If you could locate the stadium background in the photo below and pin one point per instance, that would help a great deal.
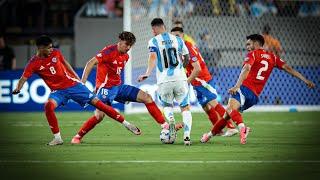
(81, 28)
(282, 145)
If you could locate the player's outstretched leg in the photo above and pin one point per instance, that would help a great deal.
(86, 127)
(244, 131)
(53, 122)
(231, 131)
(109, 111)
(217, 128)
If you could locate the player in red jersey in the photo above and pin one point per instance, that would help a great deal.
(57, 73)
(110, 62)
(201, 80)
(255, 72)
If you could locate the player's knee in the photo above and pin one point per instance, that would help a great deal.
(49, 106)
(146, 98)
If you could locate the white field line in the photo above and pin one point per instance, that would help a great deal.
(166, 162)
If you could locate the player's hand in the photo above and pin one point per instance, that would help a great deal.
(142, 77)
(16, 91)
(310, 84)
(233, 90)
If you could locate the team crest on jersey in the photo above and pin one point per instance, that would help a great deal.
(54, 59)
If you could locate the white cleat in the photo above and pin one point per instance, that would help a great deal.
(230, 132)
(133, 129)
(55, 142)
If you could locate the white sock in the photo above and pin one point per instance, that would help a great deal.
(210, 134)
(57, 136)
(168, 113)
(187, 120)
(241, 125)
(125, 123)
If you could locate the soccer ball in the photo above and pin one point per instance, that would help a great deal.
(165, 137)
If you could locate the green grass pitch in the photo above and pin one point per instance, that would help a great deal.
(280, 146)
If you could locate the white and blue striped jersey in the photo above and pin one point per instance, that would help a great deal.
(169, 49)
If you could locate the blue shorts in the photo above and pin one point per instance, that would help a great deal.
(246, 98)
(123, 93)
(79, 93)
(206, 93)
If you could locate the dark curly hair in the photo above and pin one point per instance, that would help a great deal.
(128, 37)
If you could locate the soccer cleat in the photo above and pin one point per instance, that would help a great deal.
(205, 138)
(55, 142)
(133, 129)
(187, 141)
(76, 140)
(244, 134)
(179, 126)
(230, 132)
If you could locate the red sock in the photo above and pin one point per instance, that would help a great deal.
(217, 128)
(109, 111)
(220, 110)
(236, 117)
(88, 125)
(213, 116)
(230, 125)
(155, 112)
(51, 117)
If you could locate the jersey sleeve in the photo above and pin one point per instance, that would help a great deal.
(250, 58)
(103, 54)
(151, 46)
(28, 70)
(279, 62)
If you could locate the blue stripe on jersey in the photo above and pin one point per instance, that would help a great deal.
(180, 46)
(166, 38)
(159, 64)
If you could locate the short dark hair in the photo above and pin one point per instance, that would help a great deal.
(43, 41)
(256, 37)
(177, 29)
(157, 22)
(127, 36)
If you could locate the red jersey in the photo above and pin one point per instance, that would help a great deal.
(195, 56)
(111, 63)
(52, 70)
(262, 64)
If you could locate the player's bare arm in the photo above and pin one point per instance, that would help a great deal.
(298, 75)
(90, 64)
(20, 84)
(243, 75)
(69, 67)
(195, 72)
(151, 65)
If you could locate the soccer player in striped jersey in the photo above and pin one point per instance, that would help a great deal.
(203, 84)
(65, 84)
(166, 52)
(256, 70)
(110, 62)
